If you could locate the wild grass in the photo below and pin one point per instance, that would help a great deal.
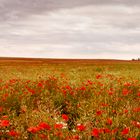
(70, 101)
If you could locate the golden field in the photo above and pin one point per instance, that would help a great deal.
(60, 99)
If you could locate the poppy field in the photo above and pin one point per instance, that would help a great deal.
(69, 100)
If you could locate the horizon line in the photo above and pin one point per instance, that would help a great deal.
(13, 57)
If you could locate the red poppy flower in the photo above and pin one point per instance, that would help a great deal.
(42, 136)
(65, 117)
(44, 125)
(58, 126)
(125, 131)
(83, 88)
(98, 76)
(109, 121)
(125, 111)
(4, 123)
(76, 137)
(136, 124)
(1, 109)
(33, 129)
(136, 109)
(106, 130)
(99, 112)
(40, 85)
(125, 92)
(138, 94)
(114, 130)
(81, 127)
(131, 139)
(95, 132)
(13, 133)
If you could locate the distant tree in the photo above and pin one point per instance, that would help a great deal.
(138, 59)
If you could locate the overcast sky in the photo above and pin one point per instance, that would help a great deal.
(70, 28)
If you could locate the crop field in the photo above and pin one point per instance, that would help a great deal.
(69, 99)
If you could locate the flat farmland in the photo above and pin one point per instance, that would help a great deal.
(69, 99)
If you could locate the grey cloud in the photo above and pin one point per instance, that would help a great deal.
(17, 9)
(76, 28)
(85, 25)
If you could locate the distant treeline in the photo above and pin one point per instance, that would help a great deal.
(136, 59)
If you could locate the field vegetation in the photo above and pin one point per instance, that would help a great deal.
(69, 99)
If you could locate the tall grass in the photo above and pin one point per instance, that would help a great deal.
(70, 101)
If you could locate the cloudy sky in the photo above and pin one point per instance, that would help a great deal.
(70, 28)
